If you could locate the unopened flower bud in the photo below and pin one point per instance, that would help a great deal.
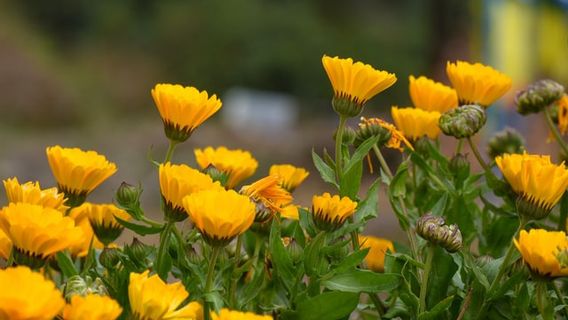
(137, 251)
(109, 257)
(369, 129)
(76, 285)
(434, 229)
(348, 136)
(506, 141)
(216, 174)
(427, 225)
(459, 166)
(462, 122)
(421, 146)
(294, 249)
(538, 96)
(128, 196)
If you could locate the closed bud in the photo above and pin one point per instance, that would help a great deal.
(109, 257)
(434, 229)
(76, 285)
(370, 129)
(217, 175)
(421, 146)
(459, 165)
(506, 141)
(348, 136)
(538, 96)
(427, 225)
(128, 196)
(294, 249)
(462, 122)
(137, 251)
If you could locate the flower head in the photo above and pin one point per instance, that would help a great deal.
(183, 109)
(27, 295)
(290, 212)
(527, 175)
(81, 247)
(289, 176)
(5, 245)
(416, 123)
(30, 192)
(178, 181)
(540, 249)
(153, 299)
(92, 307)
(220, 215)
(102, 218)
(330, 212)
(237, 164)
(477, 83)
(268, 194)
(36, 231)
(226, 314)
(78, 172)
(354, 83)
(396, 136)
(429, 95)
(378, 248)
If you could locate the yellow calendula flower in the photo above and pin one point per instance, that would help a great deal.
(28, 295)
(31, 192)
(397, 137)
(563, 114)
(78, 172)
(178, 181)
(153, 299)
(220, 215)
(269, 196)
(416, 123)
(102, 218)
(183, 109)
(539, 183)
(354, 83)
(289, 176)
(236, 164)
(426, 94)
(37, 232)
(477, 83)
(378, 248)
(81, 247)
(5, 245)
(542, 250)
(290, 212)
(330, 212)
(92, 307)
(226, 314)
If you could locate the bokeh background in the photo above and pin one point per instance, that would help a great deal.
(79, 73)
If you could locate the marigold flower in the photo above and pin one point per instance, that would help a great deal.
(426, 94)
(178, 181)
(331, 212)
(289, 176)
(540, 250)
(5, 245)
(354, 83)
(37, 232)
(78, 172)
(268, 195)
(153, 299)
(81, 247)
(378, 248)
(102, 220)
(477, 83)
(226, 314)
(183, 109)
(27, 295)
(220, 215)
(237, 164)
(92, 307)
(290, 212)
(563, 114)
(416, 123)
(31, 192)
(396, 136)
(527, 174)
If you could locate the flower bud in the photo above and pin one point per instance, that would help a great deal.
(370, 129)
(459, 165)
(137, 251)
(128, 196)
(505, 141)
(434, 229)
(538, 96)
(348, 136)
(421, 146)
(76, 285)
(217, 175)
(109, 257)
(462, 122)
(294, 249)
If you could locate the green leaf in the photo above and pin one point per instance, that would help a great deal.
(563, 212)
(138, 228)
(326, 172)
(280, 257)
(351, 181)
(441, 276)
(397, 189)
(328, 305)
(313, 255)
(367, 209)
(436, 312)
(362, 281)
(361, 152)
(65, 264)
(352, 260)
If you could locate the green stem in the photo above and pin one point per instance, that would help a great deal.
(235, 276)
(354, 237)
(555, 131)
(163, 248)
(338, 144)
(170, 152)
(465, 304)
(425, 277)
(379, 305)
(560, 297)
(382, 161)
(209, 281)
(459, 146)
(542, 301)
(478, 155)
(152, 222)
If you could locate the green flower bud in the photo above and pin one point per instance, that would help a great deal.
(368, 130)
(348, 136)
(427, 225)
(109, 257)
(421, 146)
(217, 175)
(538, 96)
(295, 251)
(459, 166)
(462, 122)
(76, 285)
(505, 141)
(128, 196)
(434, 229)
(137, 251)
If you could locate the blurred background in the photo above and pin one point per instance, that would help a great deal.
(79, 73)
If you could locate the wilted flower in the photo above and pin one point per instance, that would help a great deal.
(289, 176)
(462, 122)
(237, 164)
(538, 96)
(506, 141)
(226, 314)
(378, 248)
(395, 136)
(416, 123)
(183, 109)
(268, 195)
(354, 83)
(426, 94)
(435, 230)
(102, 218)
(92, 307)
(541, 250)
(31, 192)
(330, 212)
(373, 127)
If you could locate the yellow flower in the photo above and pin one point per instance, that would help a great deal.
(331, 212)
(426, 94)
(178, 181)
(538, 181)
(226, 314)
(269, 196)
(540, 249)
(153, 299)
(28, 295)
(220, 215)
(5, 245)
(563, 114)
(416, 123)
(236, 164)
(290, 212)
(396, 138)
(477, 83)
(81, 247)
(102, 220)
(91, 307)
(78, 172)
(290, 177)
(30, 192)
(378, 248)
(354, 83)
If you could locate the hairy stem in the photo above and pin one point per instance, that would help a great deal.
(425, 277)
(209, 281)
